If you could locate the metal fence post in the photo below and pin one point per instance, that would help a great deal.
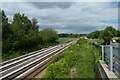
(111, 58)
(102, 52)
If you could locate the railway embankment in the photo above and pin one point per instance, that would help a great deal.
(78, 61)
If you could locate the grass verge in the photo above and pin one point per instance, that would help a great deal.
(78, 61)
(65, 39)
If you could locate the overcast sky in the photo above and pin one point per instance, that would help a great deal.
(67, 17)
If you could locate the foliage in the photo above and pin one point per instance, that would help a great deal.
(107, 34)
(49, 35)
(75, 35)
(118, 33)
(57, 69)
(94, 35)
(71, 35)
(22, 35)
(80, 56)
(63, 35)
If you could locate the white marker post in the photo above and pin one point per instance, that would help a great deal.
(111, 58)
(102, 52)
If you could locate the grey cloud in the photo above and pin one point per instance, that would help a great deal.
(75, 17)
(43, 5)
(73, 28)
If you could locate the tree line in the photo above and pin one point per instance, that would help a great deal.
(24, 34)
(107, 34)
(71, 35)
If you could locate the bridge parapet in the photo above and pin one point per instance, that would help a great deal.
(111, 60)
(105, 72)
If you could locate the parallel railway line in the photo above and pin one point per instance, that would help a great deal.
(21, 67)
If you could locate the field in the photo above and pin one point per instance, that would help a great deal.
(78, 61)
(64, 40)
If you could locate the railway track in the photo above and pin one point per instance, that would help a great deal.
(23, 66)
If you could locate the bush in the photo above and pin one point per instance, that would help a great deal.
(49, 36)
(56, 70)
(80, 57)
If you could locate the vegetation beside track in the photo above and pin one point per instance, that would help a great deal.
(22, 36)
(78, 61)
(62, 40)
(98, 41)
(105, 35)
(13, 54)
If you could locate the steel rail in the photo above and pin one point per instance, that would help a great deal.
(18, 66)
(25, 58)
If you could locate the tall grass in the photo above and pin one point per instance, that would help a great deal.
(78, 61)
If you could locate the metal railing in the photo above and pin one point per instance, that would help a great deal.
(111, 55)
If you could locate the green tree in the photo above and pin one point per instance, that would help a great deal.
(19, 34)
(35, 24)
(112, 30)
(95, 34)
(0, 26)
(20, 27)
(23, 22)
(49, 36)
(22, 35)
(118, 33)
(5, 25)
(6, 33)
(108, 34)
